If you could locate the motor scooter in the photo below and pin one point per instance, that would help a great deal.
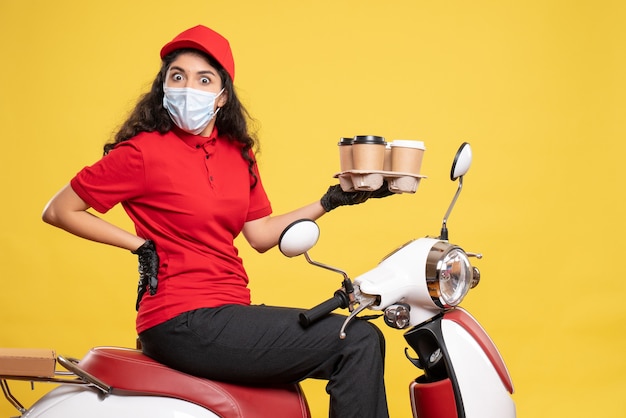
(417, 287)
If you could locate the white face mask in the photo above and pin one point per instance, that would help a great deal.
(190, 109)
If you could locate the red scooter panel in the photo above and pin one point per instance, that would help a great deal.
(433, 400)
(130, 372)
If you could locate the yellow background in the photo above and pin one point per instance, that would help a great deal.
(537, 87)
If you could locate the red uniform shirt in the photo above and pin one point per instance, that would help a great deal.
(191, 195)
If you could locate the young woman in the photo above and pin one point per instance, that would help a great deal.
(183, 168)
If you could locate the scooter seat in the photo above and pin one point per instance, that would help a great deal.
(130, 372)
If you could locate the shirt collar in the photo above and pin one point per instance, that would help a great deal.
(195, 141)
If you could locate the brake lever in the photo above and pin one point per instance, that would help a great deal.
(365, 302)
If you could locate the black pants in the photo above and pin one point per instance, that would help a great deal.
(265, 345)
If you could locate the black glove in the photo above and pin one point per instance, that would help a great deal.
(148, 270)
(336, 197)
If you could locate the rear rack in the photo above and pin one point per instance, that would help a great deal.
(74, 375)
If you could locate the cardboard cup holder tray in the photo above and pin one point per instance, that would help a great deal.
(370, 180)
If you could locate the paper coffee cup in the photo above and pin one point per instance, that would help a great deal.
(368, 152)
(368, 155)
(345, 154)
(345, 164)
(406, 156)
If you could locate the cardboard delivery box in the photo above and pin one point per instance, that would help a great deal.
(30, 362)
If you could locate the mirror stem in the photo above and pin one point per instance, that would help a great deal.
(324, 266)
(444, 233)
(444, 227)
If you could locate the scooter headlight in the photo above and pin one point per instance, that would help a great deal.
(449, 274)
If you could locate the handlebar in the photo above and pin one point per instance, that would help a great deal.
(339, 300)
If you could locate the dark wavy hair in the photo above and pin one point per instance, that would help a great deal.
(149, 115)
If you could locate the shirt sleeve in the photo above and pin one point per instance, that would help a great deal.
(117, 177)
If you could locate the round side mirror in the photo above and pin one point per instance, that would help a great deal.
(462, 161)
(299, 237)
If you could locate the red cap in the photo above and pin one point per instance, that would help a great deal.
(205, 40)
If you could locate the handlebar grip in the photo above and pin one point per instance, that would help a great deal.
(339, 300)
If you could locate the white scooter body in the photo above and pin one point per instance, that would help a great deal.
(82, 402)
(479, 384)
(399, 278)
(483, 381)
